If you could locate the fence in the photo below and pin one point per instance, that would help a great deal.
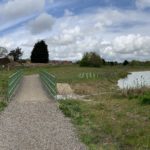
(13, 82)
(50, 83)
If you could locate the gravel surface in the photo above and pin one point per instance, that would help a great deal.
(33, 121)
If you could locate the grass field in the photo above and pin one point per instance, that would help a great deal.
(107, 119)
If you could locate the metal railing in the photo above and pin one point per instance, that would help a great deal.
(50, 83)
(13, 82)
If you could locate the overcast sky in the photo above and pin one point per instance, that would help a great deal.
(115, 29)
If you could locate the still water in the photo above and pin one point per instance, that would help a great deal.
(135, 80)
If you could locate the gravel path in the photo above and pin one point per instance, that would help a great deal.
(32, 121)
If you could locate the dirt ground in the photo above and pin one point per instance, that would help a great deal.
(64, 89)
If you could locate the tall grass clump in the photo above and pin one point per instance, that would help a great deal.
(72, 109)
(145, 99)
(142, 94)
(2, 105)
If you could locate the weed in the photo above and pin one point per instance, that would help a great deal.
(2, 105)
(145, 99)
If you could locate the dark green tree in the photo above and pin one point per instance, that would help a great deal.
(125, 63)
(40, 53)
(16, 53)
(85, 60)
(91, 59)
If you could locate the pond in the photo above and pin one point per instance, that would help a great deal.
(135, 80)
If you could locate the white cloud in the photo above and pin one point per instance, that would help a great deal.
(74, 35)
(14, 9)
(6, 42)
(143, 4)
(126, 47)
(106, 31)
(42, 23)
(132, 44)
(66, 37)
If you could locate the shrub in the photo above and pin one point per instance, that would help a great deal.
(145, 99)
(91, 59)
(125, 63)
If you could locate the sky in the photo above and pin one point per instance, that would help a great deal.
(117, 30)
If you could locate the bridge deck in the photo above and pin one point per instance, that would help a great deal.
(32, 121)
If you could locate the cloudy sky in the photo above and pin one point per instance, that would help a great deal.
(115, 29)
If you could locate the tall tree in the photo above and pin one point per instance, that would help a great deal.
(40, 53)
(16, 53)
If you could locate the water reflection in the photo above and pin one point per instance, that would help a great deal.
(135, 80)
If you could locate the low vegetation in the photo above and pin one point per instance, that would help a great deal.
(141, 94)
(108, 122)
(3, 87)
(4, 76)
(2, 105)
(108, 118)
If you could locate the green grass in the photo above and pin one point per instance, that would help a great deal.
(106, 121)
(110, 123)
(71, 73)
(140, 94)
(4, 76)
(2, 105)
(145, 99)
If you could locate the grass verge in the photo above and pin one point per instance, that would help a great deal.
(2, 105)
(109, 123)
(141, 94)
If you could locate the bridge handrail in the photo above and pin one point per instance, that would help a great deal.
(50, 83)
(13, 82)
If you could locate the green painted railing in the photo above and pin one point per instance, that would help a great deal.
(13, 82)
(50, 83)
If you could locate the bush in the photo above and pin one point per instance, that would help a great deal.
(125, 63)
(91, 59)
(145, 99)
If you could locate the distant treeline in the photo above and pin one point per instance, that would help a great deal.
(92, 59)
(130, 63)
